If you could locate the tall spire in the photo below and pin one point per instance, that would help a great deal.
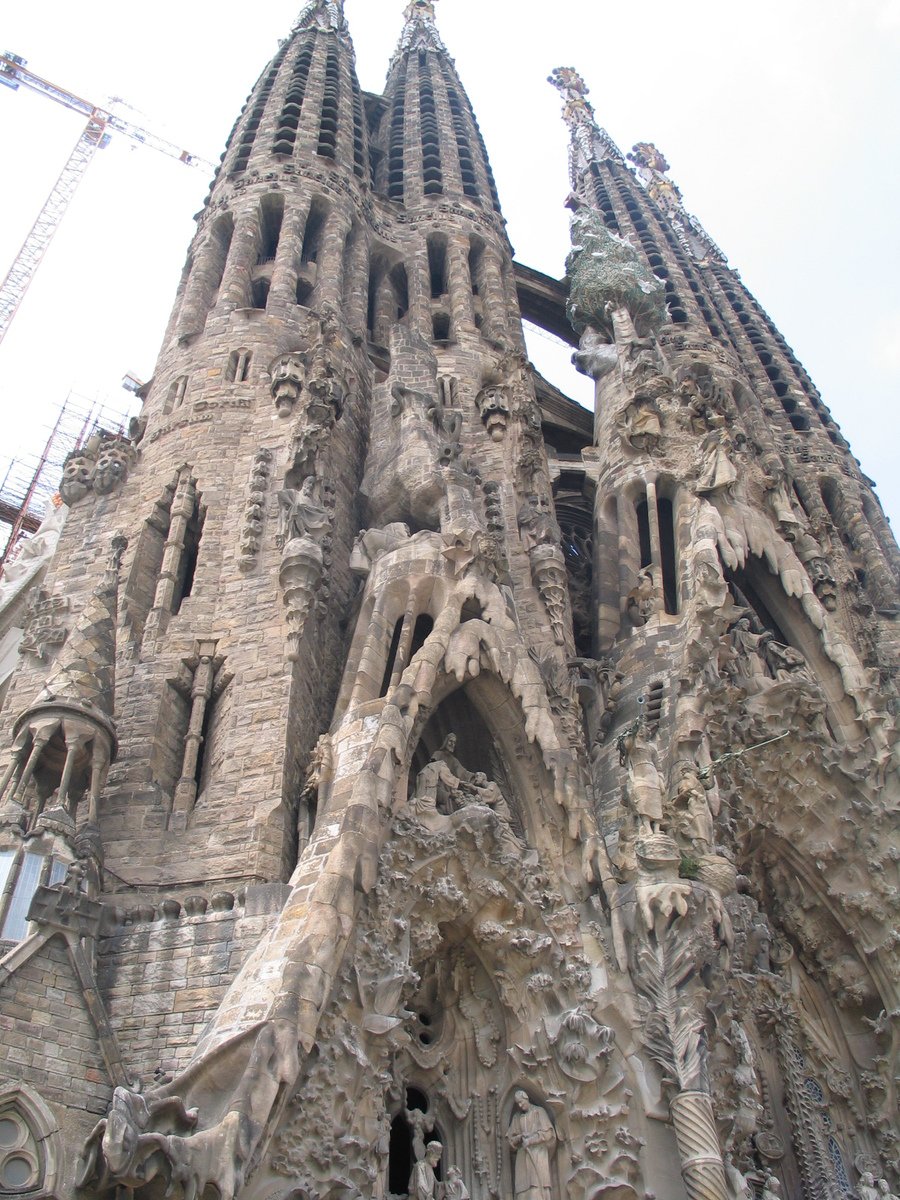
(419, 29)
(323, 14)
(651, 167)
(590, 143)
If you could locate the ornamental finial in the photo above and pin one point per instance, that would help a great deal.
(590, 143)
(419, 10)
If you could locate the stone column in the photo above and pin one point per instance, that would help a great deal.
(201, 692)
(287, 257)
(462, 307)
(698, 1144)
(235, 288)
(494, 299)
(329, 291)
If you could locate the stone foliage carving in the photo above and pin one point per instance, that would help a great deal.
(605, 270)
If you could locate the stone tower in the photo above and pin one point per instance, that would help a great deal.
(413, 786)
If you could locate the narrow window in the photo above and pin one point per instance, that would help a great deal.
(312, 235)
(643, 520)
(432, 175)
(391, 658)
(422, 628)
(304, 292)
(437, 266)
(238, 369)
(184, 583)
(289, 120)
(259, 293)
(667, 554)
(254, 119)
(440, 323)
(401, 290)
(271, 216)
(176, 395)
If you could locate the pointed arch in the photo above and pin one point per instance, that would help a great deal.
(30, 1149)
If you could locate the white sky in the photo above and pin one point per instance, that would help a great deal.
(779, 119)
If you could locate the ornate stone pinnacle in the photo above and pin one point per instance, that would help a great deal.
(419, 10)
(590, 143)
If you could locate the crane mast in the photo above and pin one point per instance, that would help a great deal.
(95, 135)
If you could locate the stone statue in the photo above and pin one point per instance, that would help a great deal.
(423, 1183)
(640, 425)
(717, 472)
(644, 788)
(420, 1123)
(884, 1190)
(641, 602)
(867, 1188)
(300, 515)
(772, 1190)
(537, 525)
(748, 662)
(693, 816)
(434, 781)
(532, 1138)
(454, 1188)
(785, 662)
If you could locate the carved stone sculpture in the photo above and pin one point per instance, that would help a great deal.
(423, 1182)
(303, 525)
(532, 1138)
(288, 373)
(494, 408)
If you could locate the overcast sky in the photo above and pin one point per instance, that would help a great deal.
(779, 119)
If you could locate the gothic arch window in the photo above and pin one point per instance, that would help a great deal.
(21, 874)
(238, 369)
(29, 1151)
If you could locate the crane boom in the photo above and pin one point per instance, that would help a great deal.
(27, 261)
(14, 72)
(94, 136)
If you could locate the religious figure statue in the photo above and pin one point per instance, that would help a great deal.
(423, 1182)
(434, 781)
(717, 471)
(693, 812)
(772, 1189)
(444, 785)
(300, 513)
(644, 788)
(420, 1123)
(640, 425)
(748, 663)
(884, 1190)
(867, 1189)
(537, 524)
(785, 662)
(642, 602)
(532, 1138)
(454, 1188)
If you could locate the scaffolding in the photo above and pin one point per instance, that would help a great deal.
(30, 480)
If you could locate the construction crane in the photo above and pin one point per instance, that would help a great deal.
(101, 123)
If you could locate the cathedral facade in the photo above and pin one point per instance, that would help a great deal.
(415, 785)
